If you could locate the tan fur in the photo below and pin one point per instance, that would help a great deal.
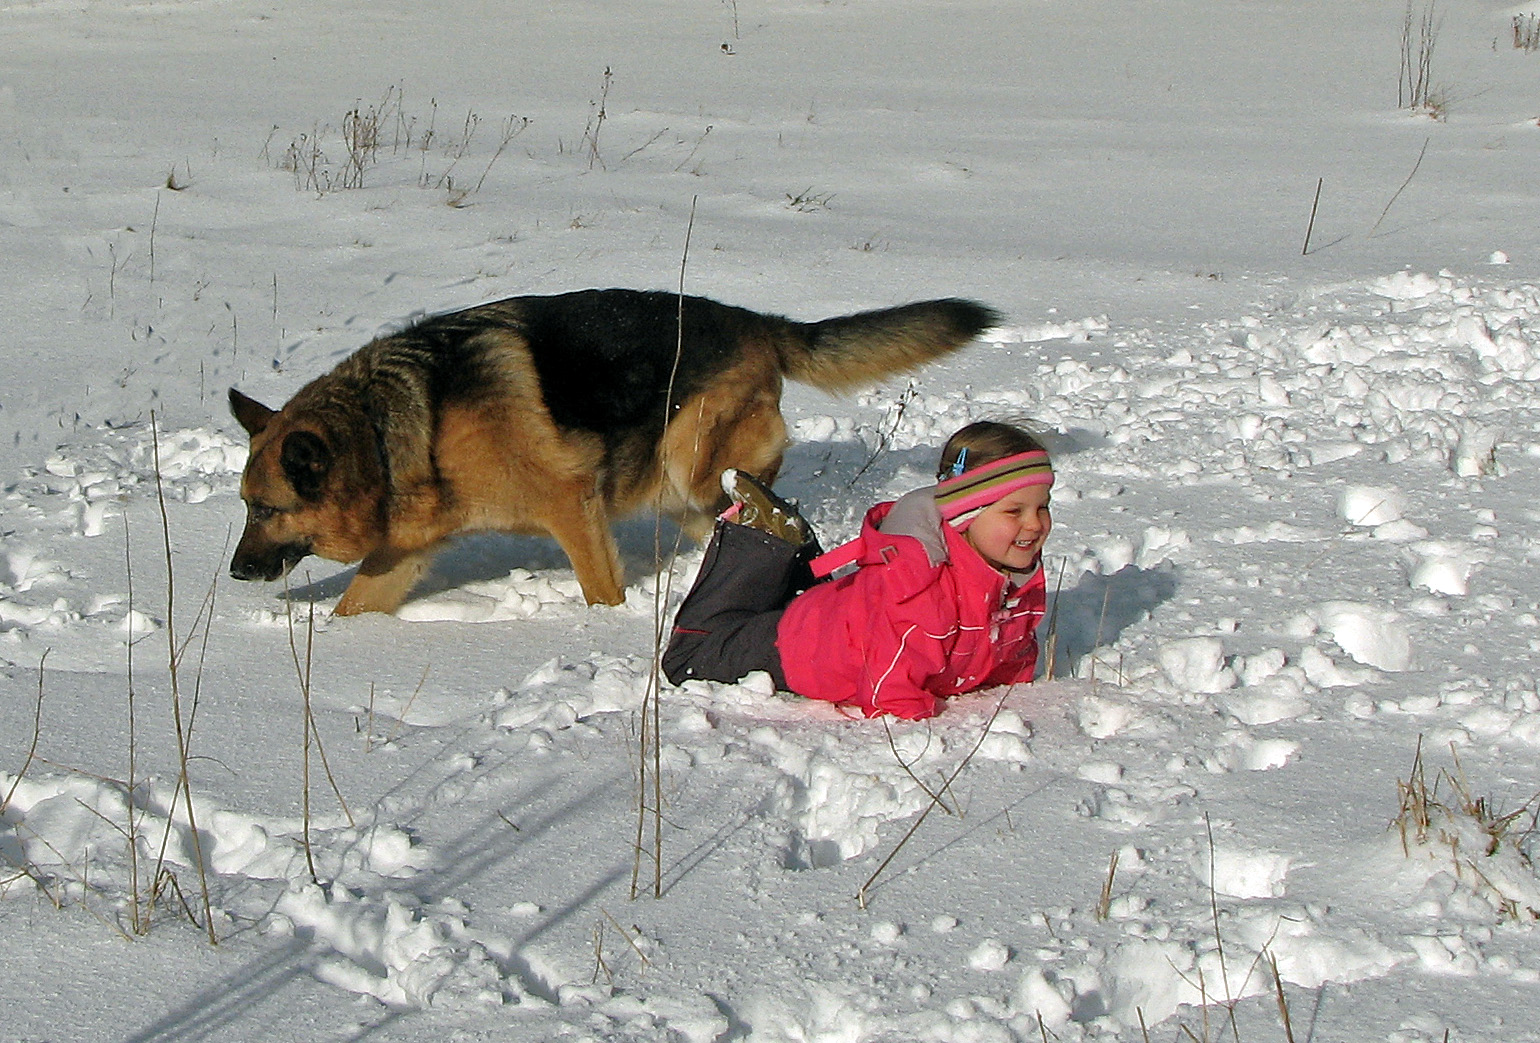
(737, 423)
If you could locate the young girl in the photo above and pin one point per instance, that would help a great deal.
(945, 597)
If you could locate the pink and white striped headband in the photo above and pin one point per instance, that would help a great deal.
(962, 498)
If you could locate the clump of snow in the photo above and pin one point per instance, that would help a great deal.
(1368, 506)
(1197, 665)
(1243, 873)
(1444, 567)
(989, 955)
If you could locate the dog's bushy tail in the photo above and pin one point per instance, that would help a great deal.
(854, 350)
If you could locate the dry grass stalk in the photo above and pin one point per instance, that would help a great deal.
(691, 157)
(166, 881)
(154, 222)
(627, 936)
(182, 723)
(650, 754)
(1204, 1000)
(1096, 643)
(29, 872)
(908, 766)
(1104, 906)
(1310, 227)
(1494, 825)
(599, 964)
(202, 621)
(1526, 32)
(1419, 37)
(141, 913)
(935, 801)
(807, 201)
(306, 731)
(401, 717)
(596, 122)
(312, 733)
(1425, 817)
(512, 128)
(369, 722)
(137, 921)
(1283, 1002)
(1415, 803)
(1224, 968)
(26, 870)
(885, 438)
(1232, 997)
(1397, 195)
(368, 131)
(37, 731)
(57, 900)
(945, 789)
(1051, 643)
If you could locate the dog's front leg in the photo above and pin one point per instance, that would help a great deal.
(584, 533)
(383, 581)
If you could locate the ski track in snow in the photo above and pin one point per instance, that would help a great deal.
(1387, 427)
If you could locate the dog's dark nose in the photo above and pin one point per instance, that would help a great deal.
(266, 563)
(245, 570)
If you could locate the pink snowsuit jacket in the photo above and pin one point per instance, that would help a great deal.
(902, 631)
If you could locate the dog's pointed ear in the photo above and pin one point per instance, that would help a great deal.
(306, 460)
(253, 415)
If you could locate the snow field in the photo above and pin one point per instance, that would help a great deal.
(1295, 524)
(1239, 587)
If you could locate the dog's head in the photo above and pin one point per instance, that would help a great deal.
(309, 489)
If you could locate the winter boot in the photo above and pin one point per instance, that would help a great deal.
(759, 508)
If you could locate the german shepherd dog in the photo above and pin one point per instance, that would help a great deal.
(546, 415)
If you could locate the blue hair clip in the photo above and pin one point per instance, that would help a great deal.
(960, 463)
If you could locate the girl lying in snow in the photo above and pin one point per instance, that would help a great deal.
(945, 596)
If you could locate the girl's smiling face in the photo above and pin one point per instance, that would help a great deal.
(1009, 533)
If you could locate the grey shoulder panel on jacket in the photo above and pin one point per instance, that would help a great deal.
(916, 514)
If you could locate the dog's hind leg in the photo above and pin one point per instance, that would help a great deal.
(730, 425)
(581, 526)
(383, 581)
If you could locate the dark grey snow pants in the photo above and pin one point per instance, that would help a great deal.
(727, 624)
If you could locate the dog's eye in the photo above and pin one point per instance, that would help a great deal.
(261, 512)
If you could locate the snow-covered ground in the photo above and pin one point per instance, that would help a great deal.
(1289, 745)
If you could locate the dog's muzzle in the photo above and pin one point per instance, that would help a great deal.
(267, 566)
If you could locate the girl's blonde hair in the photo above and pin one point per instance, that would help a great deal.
(984, 442)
